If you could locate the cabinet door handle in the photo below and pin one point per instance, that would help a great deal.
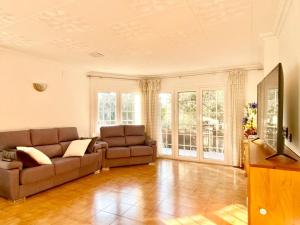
(263, 211)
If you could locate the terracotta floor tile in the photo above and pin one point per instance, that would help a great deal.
(171, 192)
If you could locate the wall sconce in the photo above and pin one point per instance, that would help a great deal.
(40, 86)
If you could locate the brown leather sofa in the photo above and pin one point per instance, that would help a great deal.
(126, 145)
(17, 182)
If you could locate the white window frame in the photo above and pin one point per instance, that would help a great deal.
(118, 109)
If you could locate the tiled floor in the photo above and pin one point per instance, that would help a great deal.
(170, 192)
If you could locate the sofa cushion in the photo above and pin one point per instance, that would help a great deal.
(134, 130)
(64, 146)
(44, 136)
(115, 141)
(12, 139)
(112, 131)
(35, 156)
(35, 174)
(141, 150)
(135, 140)
(90, 159)
(117, 152)
(67, 134)
(50, 150)
(63, 165)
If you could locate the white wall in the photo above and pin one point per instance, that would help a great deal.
(289, 55)
(64, 103)
(285, 48)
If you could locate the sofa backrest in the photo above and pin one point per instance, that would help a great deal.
(113, 135)
(67, 134)
(123, 135)
(12, 139)
(135, 134)
(51, 142)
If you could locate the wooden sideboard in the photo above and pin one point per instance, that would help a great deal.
(273, 187)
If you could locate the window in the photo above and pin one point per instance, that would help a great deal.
(187, 124)
(213, 124)
(118, 108)
(131, 105)
(106, 108)
(165, 101)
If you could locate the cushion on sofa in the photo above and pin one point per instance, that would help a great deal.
(134, 130)
(115, 141)
(12, 139)
(35, 174)
(36, 155)
(135, 140)
(89, 159)
(77, 148)
(117, 152)
(67, 134)
(50, 150)
(63, 165)
(112, 131)
(26, 159)
(44, 136)
(140, 150)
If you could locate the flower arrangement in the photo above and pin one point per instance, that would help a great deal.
(249, 120)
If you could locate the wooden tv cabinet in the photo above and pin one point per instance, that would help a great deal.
(273, 187)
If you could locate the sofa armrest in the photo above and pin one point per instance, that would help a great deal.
(11, 165)
(150, 142)
(9, 183)
(100, 145)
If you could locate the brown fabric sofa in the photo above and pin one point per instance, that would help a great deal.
(17, 182)
(126, 145)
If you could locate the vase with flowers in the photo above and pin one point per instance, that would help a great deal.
(249, 120)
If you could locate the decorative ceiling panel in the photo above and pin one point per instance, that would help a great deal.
(139, 36)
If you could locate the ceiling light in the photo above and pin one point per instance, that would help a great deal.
(96, 54)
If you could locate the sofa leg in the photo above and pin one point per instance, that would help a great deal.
(20, 200)
(97, 172)
(152, 164)
(105, 169)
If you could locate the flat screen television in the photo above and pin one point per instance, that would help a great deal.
(270, 111)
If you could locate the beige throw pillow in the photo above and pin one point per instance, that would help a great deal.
(77, 148)
(36, 154)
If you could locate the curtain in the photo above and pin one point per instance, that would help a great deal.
(236, 104)
(150, 90)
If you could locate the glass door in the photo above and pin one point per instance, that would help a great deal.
(165, 102)
(187, 124)
(212, 123)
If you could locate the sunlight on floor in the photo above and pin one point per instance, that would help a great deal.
(235, 214)
(196, 219)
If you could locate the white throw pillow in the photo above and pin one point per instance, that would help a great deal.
(36, 154)
(77, 148)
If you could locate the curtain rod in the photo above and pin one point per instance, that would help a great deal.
(112, 77)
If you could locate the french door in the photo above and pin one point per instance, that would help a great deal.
(193, 125)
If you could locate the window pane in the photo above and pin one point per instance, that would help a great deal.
(187, 124)
(131, 108)
(213, 124)
(106, 109)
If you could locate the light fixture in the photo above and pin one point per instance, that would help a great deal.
(40, 86)
(96, 54)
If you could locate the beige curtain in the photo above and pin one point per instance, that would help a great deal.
(150, 90)
(236, 104)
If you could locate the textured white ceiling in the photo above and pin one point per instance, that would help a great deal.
(139, 36)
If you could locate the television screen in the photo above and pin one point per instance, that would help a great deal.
(270, 109)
